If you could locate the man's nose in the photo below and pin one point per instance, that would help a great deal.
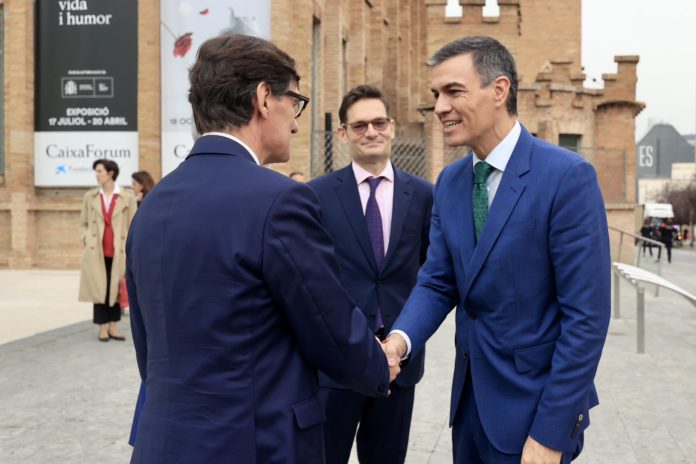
(442, 106)
(371, 131)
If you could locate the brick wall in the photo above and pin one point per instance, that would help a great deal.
(5, 237)
(382, 42)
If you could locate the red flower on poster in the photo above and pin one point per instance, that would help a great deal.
(203, 12)
(183, 44)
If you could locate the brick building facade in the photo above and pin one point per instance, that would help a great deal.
(339, 44)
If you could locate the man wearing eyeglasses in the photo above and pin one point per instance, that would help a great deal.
(235, 295)
(379, 218)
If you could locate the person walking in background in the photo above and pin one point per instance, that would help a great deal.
(519, 244)
(378, 217)
(647, 231)
(685, 235)
(106, 215)
(236, 299)
(667, 233)
(142, 183)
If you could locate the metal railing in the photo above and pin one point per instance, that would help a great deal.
(637, 242)
(637, 277)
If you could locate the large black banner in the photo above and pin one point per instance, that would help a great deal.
(86, 88)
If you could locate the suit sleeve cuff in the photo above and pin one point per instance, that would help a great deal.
(406, 339)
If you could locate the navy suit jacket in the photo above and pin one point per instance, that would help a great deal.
(388, 288)
(532, 295)
(235, 303)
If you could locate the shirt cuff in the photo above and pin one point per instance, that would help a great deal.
(406, 339)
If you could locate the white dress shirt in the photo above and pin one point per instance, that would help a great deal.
(107, 200)
(384, 194)
(498, 158)
(232, 137)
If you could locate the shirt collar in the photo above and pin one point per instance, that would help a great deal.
(232, 137)
(117, 190)
(500, 156)
(362, 174)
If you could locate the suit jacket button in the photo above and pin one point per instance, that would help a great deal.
(465, 355)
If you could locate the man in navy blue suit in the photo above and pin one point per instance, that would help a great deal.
(378, 217)
(235, 295)
(519, 244)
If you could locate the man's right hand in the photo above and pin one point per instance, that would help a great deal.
(394, 349)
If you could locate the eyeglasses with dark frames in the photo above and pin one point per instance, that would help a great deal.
(300, 104)
(360, 127)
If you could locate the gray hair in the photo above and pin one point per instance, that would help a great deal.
(491, 60)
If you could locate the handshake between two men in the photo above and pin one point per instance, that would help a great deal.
(395, 349)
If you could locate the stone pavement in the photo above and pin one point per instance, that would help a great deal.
(66, 398)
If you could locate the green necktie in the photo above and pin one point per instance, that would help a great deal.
(480, 197)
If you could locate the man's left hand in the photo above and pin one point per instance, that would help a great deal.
(536, 453)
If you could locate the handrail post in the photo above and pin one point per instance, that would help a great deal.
(659, 267)
(617, 298)
(640, 318)
(618, 258)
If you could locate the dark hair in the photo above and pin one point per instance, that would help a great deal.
(109, 166)
(491, 60)
(145, 179)
(355, 94)
(224, 78)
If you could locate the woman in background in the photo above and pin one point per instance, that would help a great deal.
(142, 184)
(107, 212)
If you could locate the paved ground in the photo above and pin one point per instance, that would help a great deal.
(66, 398)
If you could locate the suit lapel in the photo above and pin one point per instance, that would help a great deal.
(119, 206)
(96, 204)
(466, 216)
(347, 191)
(508, 193)
(403, 193)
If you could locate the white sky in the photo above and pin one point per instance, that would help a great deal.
(663, 33)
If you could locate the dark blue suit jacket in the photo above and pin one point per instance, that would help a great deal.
(389, 287)
(532, 295)
(236, 302)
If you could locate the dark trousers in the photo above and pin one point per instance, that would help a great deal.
(668, 246)
(103, 313)
(384, 425)
(648, 246)
(470, 445)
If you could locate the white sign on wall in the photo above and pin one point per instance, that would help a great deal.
(86, 89)
(183, 28)
(66, 158)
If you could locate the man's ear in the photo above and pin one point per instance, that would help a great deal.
(501, 87)
(342, 133)
(261, 99)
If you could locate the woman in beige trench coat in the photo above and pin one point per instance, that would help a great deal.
(107, 212)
